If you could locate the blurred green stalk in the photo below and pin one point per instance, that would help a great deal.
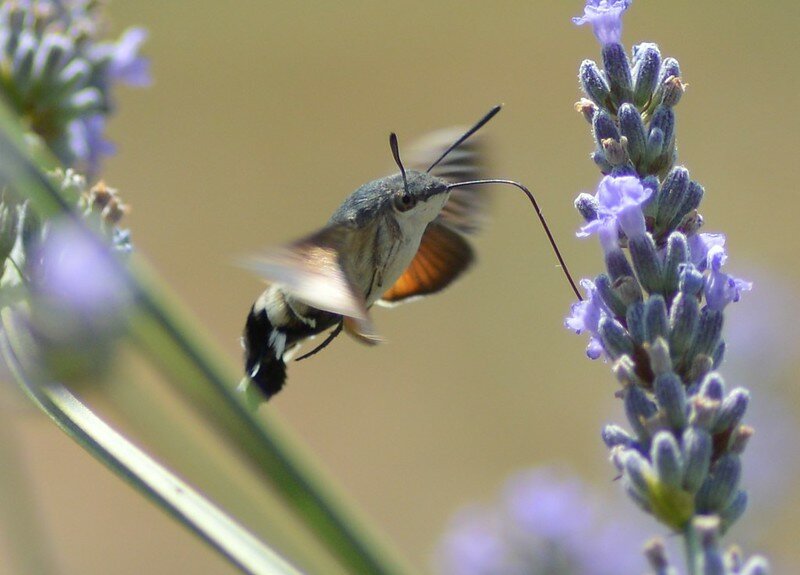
(198, 371)
(140, 470)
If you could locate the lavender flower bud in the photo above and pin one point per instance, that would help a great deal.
(594, 83)
(683, 321)
(599, 158)
(700, 366)
(646, 262)
(646, 67)
(671, 195)
(637, 472)
(609, 296)
(617, 264)
(628, 290)
(697, 446)
(677, 257)
(618, 72)
(721, 486)
(740, 438)
(673, 91)
(625, 371)
(712, 560)
(712, 387)
(639, 498)
(669, 69)
(671, 398)
(663, 120)
(604, 127)
(632, 128)
(616, 155)
(655, 147)
(666, 458)
(732, 410)
(586, 108)
(691, 281)
(733, 511)
(614, 436)
(616, 340)
(586, 204)
(634, 319)
(50, 55)
(718, 355)
(639, 410)
(691, 201)
(709, 331)
(660, 360)
(656, 555)
(23, 62)
(656, 323)
(703, 412)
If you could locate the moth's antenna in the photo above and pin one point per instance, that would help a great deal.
(541, 219)
(491, 114)
(396, 154)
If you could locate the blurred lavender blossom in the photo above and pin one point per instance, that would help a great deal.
(79, 297)
(58, 74)
(546, 523)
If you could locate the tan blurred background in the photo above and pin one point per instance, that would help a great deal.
(265, 115)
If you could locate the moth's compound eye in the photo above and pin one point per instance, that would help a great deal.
(403, 201)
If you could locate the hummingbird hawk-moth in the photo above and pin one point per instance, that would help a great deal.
(393, 240)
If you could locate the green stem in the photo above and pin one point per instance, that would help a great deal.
(209, 383)
(692, 546)
(146, 475)
(205, 379)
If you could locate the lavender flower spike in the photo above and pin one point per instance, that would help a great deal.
(658, 311)
(605, 16)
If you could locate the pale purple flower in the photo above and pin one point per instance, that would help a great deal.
(722, 289)
(75, 273)
(605, 16)
(87, 142)
(619, 201)
(125, 64)
(474, 545)
(545, 523)
(700, 244)
(585, 315)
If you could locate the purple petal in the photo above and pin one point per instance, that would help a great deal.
(699, 246)
(605, 16)
(126, 65)
(618, 197)
(721, 288)
(87, 142)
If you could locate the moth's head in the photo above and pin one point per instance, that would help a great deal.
(412, 203)
(420, 198)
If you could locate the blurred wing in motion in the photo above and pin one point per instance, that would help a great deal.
(310, 270)
(466, 210)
